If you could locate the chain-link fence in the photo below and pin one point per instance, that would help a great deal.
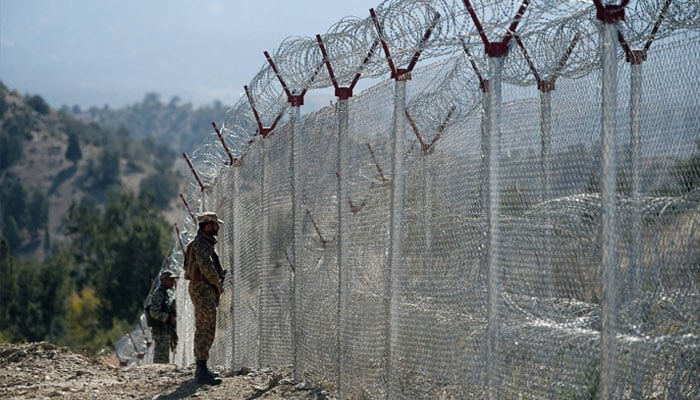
(514, 214)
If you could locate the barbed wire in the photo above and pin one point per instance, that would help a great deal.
(682, 14)
(344, 43)
(553, 39)
(445, 101)
(561, 39)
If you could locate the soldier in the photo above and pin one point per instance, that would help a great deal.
(203, 270)
(161, 317)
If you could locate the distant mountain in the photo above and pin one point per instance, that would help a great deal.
(50, 160)
(174, 123)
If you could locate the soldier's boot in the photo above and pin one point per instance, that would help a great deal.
(203, 376)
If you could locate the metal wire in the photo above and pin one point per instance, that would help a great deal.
(540, 321)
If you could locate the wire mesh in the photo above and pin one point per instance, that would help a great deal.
(503, 285)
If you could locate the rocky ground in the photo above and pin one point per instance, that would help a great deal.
(46, 371)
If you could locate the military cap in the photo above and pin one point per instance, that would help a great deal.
(168, 274)
(209, 216)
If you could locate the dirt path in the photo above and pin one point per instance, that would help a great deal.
(45, 371)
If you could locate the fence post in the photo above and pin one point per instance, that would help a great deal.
(343, 93)
(636, 263)
(264, 236)
(483, 171)
(264, 244)
(295, 170)
(608, 208)
(609, 16)
(637, 249)
(636, 58)
(484, 188)
(545, 165)
(496, 52)
(493, 159)
(235, 261)
(428, 190)
(395, 268)
(343, 227)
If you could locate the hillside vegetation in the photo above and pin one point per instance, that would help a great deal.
(174, 123)
(83, 227)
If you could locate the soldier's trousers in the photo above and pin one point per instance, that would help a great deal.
(161, 348)
(204, 299)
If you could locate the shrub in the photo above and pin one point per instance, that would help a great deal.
(38, 104)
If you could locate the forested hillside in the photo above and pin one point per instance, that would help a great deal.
(175, 123)
(82, 224)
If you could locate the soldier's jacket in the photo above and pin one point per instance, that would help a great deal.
(202, 263)
(159, 308)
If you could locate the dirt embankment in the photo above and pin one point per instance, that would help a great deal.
(46, 371)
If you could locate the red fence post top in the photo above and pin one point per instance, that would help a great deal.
(545, 86)
(636, 57)
(401, 74)
(296, 100)
(497, 49)
(264, 132)
(610, 13)
(343, 93)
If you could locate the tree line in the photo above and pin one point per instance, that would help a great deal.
(175, 123)
(89, 286)
(90, 289)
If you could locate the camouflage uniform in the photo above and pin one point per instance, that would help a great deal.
(203, 269)
(161, 306)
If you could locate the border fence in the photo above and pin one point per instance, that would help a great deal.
(513, 213)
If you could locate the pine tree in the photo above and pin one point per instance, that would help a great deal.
(12, 233)
(8, 291)
(73, 152)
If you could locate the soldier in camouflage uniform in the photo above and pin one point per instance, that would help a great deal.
(203, 270)
(161, 317)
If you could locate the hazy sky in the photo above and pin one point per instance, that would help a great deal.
(96, 52)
